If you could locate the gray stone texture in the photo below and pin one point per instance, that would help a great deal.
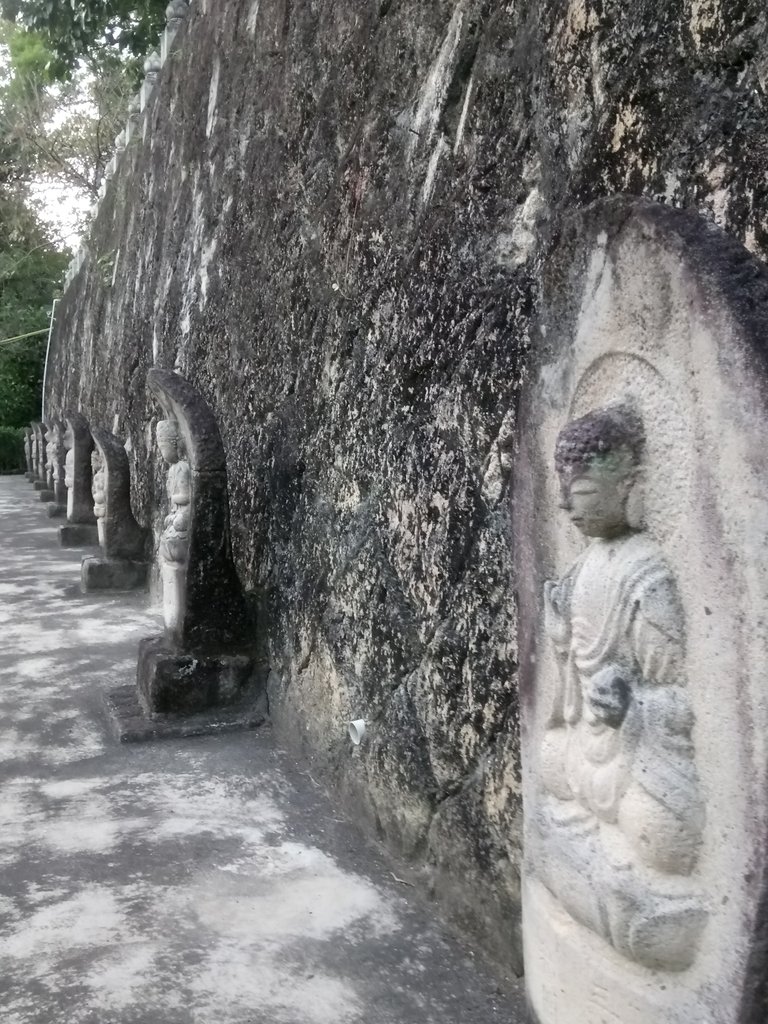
(335, 228)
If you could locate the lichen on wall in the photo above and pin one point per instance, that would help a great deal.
(335, 226)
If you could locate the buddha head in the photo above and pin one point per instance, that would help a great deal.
(597, 458)
(169, 441)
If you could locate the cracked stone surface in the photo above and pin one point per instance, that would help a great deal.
(187, 881)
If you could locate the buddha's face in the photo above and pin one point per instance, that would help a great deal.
(596, 500)
(167, 442)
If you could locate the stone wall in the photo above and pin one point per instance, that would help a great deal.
(335, 226)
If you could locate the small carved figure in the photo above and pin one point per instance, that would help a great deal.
(623, 817)
(174, 542)
(98, 489)
(51, 453)
(28, 452)
(69, 469)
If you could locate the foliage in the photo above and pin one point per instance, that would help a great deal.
(11, 450)
(30, 269)
(60, 132)
(91, 29)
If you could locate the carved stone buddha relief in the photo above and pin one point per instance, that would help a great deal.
(641, 494)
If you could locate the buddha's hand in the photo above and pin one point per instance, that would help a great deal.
(607, 695)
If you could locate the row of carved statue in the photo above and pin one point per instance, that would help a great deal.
(83, 473)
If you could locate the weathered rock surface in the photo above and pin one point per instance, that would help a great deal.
(334, 227)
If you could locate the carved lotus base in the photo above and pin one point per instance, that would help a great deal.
(170, 680)
(78, 535)
(111, 574)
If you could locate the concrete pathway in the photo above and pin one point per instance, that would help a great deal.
(201, 881)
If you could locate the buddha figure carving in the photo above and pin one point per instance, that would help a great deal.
(51, 455)
(69, 470)
(619, 825)
(174, 542)
(98, 489)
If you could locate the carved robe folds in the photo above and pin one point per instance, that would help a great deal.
(622, 825)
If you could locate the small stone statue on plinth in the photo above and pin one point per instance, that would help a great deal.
(39, 481)
(80, 528)
(123, 565)
(28, 453)
(203, 660)
(57, 453)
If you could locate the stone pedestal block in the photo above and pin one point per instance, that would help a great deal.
(111, 574)
(47, 496)
(171, 680)
(55, 510)
(78, 535)
(41, 485)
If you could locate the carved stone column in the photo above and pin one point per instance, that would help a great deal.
(203, 659)
(123, 542)
(80, 527)
(640, 524)
(28, 453)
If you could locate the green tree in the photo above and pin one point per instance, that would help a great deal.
(30, 269)
(92, 29)
(63, 132)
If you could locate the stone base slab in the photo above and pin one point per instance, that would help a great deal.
(573, 975)
(31, 477)
(56, 511)
(179, 682)
(77, 535)
(47, 496)
(111, 574)
(40, 485)
(129, 723)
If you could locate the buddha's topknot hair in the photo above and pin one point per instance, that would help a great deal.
(601, 435)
